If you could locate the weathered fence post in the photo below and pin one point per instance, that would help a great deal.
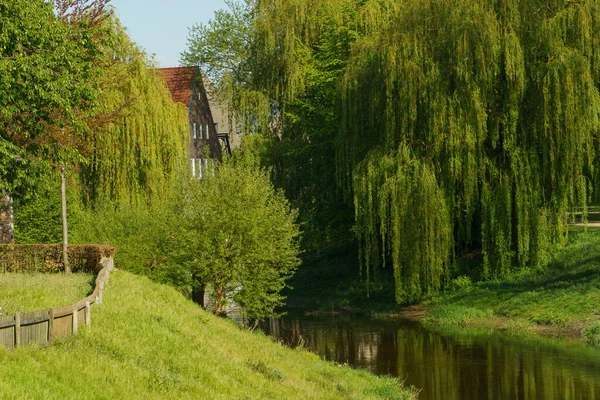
(88, 313)
(75, 322)
(17, 329)
(99, 297)
(50, 327)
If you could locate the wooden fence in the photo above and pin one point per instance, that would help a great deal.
(43, 327)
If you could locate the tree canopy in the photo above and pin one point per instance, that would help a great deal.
(240, 239)
(455, 128)
(138, 143)
(48, 87)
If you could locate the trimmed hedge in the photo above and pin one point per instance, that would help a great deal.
(46, 258)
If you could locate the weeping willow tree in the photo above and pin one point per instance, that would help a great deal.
(139, 147)
(395, 184)
(464, 125)
(499, 99)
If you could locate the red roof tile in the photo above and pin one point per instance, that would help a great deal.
(180, 81)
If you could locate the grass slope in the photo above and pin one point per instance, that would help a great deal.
(148, 342)
(566, 293)
(31, 292)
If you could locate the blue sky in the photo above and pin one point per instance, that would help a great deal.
(161, 26)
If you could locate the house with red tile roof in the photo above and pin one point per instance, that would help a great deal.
(188, 86)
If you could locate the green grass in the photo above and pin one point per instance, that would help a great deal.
(31, 292)
(455, 314)
(148, 342)
(564, 293)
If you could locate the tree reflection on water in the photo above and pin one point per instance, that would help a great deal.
(451, 363)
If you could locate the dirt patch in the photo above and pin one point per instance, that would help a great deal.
(412, 313)
(590, 224)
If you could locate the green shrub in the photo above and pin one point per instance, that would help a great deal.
(141, 232)
(462, 284)
(591, 335)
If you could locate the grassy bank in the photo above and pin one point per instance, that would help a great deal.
(31, 292)
(563, 297)
(148, 342)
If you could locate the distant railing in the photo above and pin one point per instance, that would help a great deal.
(43, 327)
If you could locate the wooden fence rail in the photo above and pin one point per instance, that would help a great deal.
(43, 327)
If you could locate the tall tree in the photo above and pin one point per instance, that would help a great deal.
(234, 50)
(458, 127)
(48, 87)
(500, 100)
(138, 142)
(241, 239)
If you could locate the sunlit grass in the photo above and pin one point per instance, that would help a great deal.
(148, 342)
(30, 292)
(563, 293)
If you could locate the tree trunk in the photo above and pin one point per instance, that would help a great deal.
(220, 301)
(198, 291)
(63, 192)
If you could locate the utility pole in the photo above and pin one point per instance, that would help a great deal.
(63, 192)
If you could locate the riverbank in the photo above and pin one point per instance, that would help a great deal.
(147, 341)
(561, 298)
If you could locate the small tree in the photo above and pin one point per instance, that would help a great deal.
(241, 237)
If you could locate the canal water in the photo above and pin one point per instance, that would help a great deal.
(452, 362)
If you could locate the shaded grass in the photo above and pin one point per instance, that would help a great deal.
(455, 314)
(148, 342)
(566, 292)
(22, 292)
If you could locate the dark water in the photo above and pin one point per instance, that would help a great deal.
(451, 363)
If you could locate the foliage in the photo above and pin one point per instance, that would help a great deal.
(298, 130)
(496, 103)
(454, 314)
(462, 284)
(48, 88)
(152, 343)
(220, 48)
(591, 335)
(408, 199)
(493, 103)
(48, 258)
(240, 236)
(142, 232)
(38, 219)
(140, 147)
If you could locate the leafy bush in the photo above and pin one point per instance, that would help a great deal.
(240, 238)
(462, 284)
(591, 335)
(38, 218)
(141, 232)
